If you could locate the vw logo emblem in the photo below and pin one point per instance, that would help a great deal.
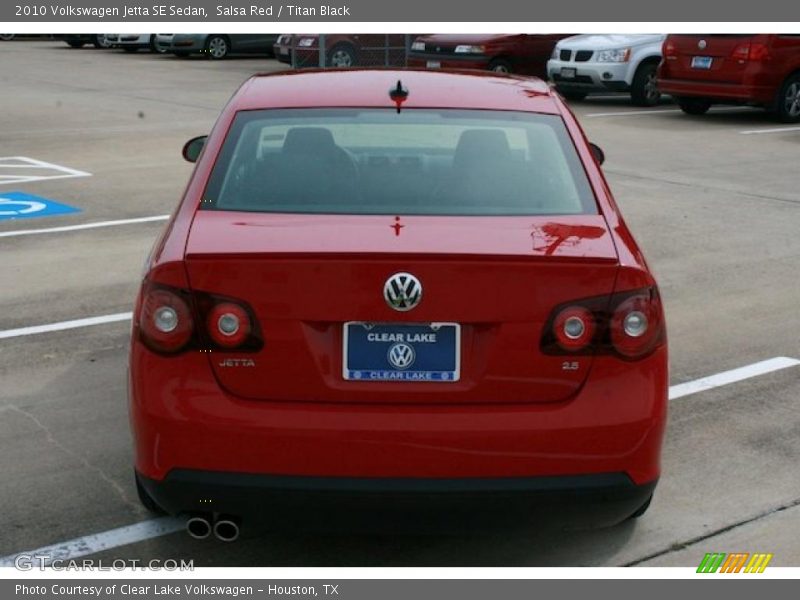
(401, 356)
(402, 291)
(702, 44)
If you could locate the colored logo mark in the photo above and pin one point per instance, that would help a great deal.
(736, 562)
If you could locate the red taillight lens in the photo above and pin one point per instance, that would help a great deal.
(751, 51)
(629, 324)
(669, 51)
(636, 325)
(165, 320)
(574, 328)
(228, 325)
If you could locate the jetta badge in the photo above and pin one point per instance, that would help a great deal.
(702, 44)
(402, 291)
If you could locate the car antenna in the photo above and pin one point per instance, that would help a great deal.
(398, 94)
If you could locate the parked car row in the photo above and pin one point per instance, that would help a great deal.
(214, 46)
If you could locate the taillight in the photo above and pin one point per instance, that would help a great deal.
(629, 324)
(173, 320)
(228, 325)
(574, 328)
(669, 50)
(750, 51)
(165, 320)
(636, 324)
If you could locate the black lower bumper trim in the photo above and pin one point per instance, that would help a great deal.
(576, 500)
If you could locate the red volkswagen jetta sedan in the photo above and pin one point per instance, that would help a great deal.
(396, 284)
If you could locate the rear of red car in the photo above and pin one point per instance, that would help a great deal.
(430, 303)
(760, 70)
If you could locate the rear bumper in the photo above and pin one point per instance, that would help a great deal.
(743, 93)
(602, 499)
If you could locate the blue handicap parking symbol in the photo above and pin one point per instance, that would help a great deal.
(19, 205)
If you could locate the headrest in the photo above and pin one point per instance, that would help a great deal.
(308, 140)
(477, 145)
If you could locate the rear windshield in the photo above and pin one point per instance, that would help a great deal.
(375, 161)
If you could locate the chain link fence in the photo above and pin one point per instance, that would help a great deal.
(345, 50)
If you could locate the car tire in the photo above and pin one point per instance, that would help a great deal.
(341, 56)
(694, 106)
(7, 37)
(217, 47)
(100, 41)
(76, 44)
(155, 48)
(500, 65)
(149, 504)
(642, 509)
(787, 104)
(644, 89)
(573, 96)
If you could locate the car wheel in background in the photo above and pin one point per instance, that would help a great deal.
(341, 56)
(574, 96)
(500, 65)
(787, 106)
(7, 37)
(100, 41)
(694, 106)
(644, 89)
(217, 47)
(154, 47)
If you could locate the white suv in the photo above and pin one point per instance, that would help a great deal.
(584, 64)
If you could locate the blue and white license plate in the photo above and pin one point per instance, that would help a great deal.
(701, 62)
(401, 352)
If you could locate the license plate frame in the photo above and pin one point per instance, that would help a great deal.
(569, 72)
(447, 341)
(433, 64)
(702, 62)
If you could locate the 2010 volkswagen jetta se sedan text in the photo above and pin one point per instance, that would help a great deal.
(397, 284)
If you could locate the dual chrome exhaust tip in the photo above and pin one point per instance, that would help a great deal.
(224, 528)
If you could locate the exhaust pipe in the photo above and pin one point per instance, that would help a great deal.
(198, 527)
(227, 529)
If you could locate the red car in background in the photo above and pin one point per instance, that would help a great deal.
(384, 287)
(759, 70)
(522, 54)
(343, 49)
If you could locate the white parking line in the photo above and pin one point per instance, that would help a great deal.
(153, 528)
(732, 376)
(771, 130)
(92, 544)
(644, 111)
(62, 325)
(84, 226)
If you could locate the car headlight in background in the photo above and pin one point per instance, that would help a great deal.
(618, 55)
(305, 42)
(467, 49)
(418, 47)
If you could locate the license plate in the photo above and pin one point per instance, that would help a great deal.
(701, 62)
(433, 64)
(426, 352)
(568, 73)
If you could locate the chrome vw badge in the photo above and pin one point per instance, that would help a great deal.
(402, 291)
(401, 356)
(702, 44)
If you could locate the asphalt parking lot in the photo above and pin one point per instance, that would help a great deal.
(714, 201)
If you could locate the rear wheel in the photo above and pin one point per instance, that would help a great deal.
(500, 65)
(100, 41)
(644, 89)
(342, 56)
(787, 106)
(147, 501)
(642, 509)
(217, 47)
(154, 47)
(7, 37)
(694, 106)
